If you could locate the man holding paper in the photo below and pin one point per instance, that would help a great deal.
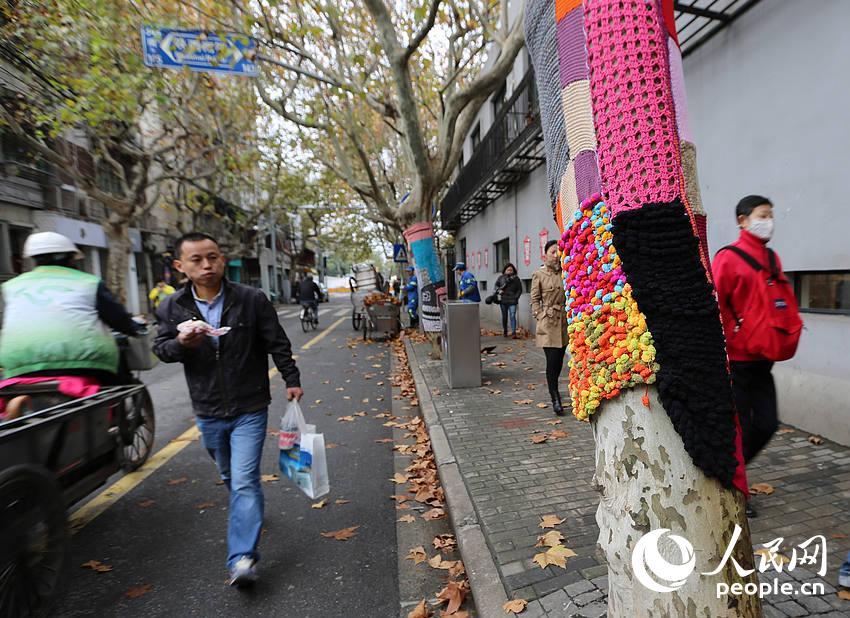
(223, 333)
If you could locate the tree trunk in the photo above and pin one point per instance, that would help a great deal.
(118, 234)
(431, 279)
(647, 481)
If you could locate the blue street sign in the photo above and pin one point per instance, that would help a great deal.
(399, 253)
(198, 50)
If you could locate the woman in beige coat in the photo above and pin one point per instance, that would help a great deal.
(547, 307)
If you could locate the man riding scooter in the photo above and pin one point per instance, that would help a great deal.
(57, 319)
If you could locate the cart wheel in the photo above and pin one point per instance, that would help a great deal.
(139, 430)
(33, 537)
(356, 319)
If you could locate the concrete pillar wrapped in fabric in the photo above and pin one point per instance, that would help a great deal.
(648, 362)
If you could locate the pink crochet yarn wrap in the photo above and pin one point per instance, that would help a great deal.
(632, 98)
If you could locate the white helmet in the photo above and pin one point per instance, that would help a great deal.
(43, 243)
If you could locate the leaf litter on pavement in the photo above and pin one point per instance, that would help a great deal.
(341, 535)
(97, 566)
(423, 486)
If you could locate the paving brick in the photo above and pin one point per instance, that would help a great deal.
(555, 601)
(594, 610)
(579, 587)
(791, 608)
(814, 604)
(588, 597)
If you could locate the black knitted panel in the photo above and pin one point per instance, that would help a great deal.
(661, 259)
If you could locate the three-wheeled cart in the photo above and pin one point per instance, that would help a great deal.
(51, 457)
(382, 318)
(364, 280)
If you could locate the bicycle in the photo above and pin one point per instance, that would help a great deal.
(308, 318)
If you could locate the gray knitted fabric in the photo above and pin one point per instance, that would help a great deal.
(540, 38)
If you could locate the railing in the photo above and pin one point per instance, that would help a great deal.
(511, 149)
(28, 171)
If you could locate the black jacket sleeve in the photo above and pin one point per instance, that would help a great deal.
(113, 313)
(165, 344)
(275, 340)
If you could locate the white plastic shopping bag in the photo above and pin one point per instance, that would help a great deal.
(302, 453)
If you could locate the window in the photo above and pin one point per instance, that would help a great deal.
(461, 257)
(476, 136)
(826, 292)
(482, 285)
(526, 285)
(460, 162)
(499, 98)
(502, 254)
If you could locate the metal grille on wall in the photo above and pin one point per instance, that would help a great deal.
(697, 21)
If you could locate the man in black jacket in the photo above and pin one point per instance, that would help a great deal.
(309, 295)
(228, 381)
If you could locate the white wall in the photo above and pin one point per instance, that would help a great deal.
(767, 102)
(522, 211)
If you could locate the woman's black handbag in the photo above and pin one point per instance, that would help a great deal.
(490, 299)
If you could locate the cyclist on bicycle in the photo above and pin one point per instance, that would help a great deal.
(309, 295)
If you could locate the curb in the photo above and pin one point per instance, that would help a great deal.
(484, 580)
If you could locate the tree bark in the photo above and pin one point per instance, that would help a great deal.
(647, 481)
(118, 234)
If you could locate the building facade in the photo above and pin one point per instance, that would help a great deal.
(767, 117)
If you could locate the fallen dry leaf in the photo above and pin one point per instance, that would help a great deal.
(384, 440)
(434, 514)
(767, 554)
(182, 479)
(550, 521)
(341, 501)
(556, 421)
(557, 434)
(782, 430)
(762, 488)
(838, 535)
(417, 554)
(407, 519)
(556, 556)
(539, 438)
(345, 419)
(97, 566)
(339, 389)
(445, 541)
(517, 606)
(523, 402)
(399, 498)
(146, 503)
(453, 594)
(320, 504)
(844, 595)
(542, 405)
(550, 539)
(400, 479)
(138, 591)
(816, 440)
(205, 505)
(318, 401)
(360, 414)
(420, 611)
(341, 535)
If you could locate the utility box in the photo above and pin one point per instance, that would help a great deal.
(461, 344)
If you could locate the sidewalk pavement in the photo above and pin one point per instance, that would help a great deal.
(499, 484)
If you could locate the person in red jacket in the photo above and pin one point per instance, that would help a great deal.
(737, 283)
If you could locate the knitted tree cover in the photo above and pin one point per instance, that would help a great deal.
(638, 290)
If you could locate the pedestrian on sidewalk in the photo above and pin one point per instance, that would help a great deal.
(467, 286)
(411, 290)
(760, 320)
(547, 307)
(508, 291)
(159, 293)
(228, 381)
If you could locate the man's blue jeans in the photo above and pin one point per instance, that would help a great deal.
(236, 444)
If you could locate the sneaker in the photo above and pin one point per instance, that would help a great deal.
(844, 573)
(243, 573)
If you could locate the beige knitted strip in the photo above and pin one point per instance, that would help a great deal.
(578, 117)
(568, 194)
(689, 170)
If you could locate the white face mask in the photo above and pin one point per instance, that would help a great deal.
(761, 228)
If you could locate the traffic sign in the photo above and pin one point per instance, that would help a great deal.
(399, 253)
(199, 50)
